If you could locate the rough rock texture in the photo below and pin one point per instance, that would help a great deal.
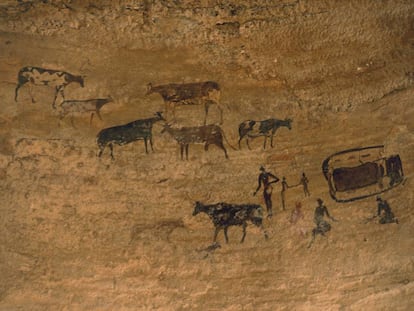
(79, 232)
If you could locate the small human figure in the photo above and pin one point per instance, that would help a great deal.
(297, 216)
(285, 186)
(267, 179)
(322, 226)
(384, 211)
(304, 182)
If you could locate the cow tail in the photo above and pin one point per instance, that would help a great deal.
(227, 141)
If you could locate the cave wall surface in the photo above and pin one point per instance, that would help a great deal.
(82, 232)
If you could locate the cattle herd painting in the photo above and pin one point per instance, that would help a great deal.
(206, 155)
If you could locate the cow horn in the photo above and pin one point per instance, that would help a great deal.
(206, 199)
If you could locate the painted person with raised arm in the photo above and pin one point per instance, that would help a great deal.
(266, 179)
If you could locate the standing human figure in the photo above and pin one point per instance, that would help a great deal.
(266, 179)
(322, 226)
(304, 182)
(285, 186)
(296, 218)
(384, 211)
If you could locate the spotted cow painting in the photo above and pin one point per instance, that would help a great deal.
(47, 77)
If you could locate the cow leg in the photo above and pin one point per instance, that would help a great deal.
(264, 144)
(206, 107)
(17, 89)
(182, 151)
(54, 99)
(30, 93)
(240, 142)
(90, 121)
(173, 110)
(216, 231)
(58, 89)
(264, 232)
(220, 145)
(98, 113)
(151, 144)
(271, 137)
(146, 147)
(282, 194)
(101, 149)
(186, 151)
(244, 232)
(247, 143)
(111, 147)
(225, 234)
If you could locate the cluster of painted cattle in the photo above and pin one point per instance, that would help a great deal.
(206, 93)
(59, 80)
(200, 93)
(223, 215)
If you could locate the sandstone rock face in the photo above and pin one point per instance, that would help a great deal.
(79, 232)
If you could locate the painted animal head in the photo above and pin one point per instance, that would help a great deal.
(80, 80)
(159, 115)
(288, 123)
(197, 208)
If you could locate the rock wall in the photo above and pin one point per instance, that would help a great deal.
(79, 232)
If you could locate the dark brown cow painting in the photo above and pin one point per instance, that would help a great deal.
(359, 173)
(350, 178)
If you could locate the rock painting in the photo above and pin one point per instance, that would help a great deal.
(359, 173)
(208, 135)
(207, 93)
(49, 77)
(127, 133)
(83, 106)
(224, 215)
(267, 128)
(385, 213)
(266, 179)
(322, 226)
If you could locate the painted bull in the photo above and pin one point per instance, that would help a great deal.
(267, 128)
(207, 134)
(366, 178)
(223, 215)
(350, 178)
(127, 133)
(49, 77)
(207, 93)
